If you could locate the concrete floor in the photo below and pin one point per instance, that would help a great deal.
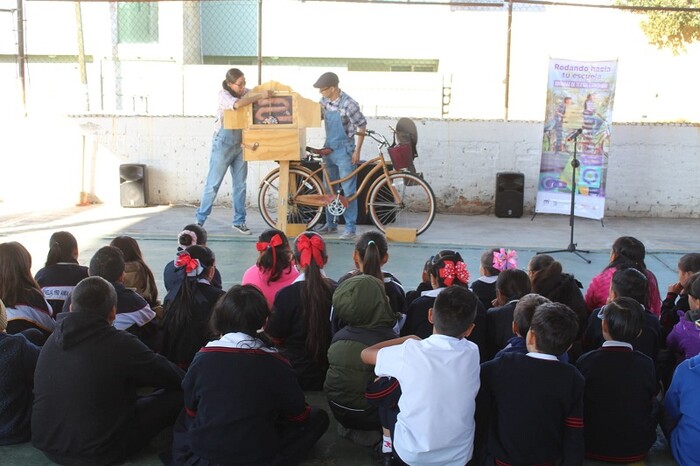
(156, 229)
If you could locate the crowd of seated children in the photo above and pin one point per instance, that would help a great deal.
(137, 274)
(274, 268)
(243, 404)
(511, 285)
(426, 428)
(620, 406)
(684, 339)
(191, 235)
(362, 304)
(133, 312)
(61, 272)
(18, 358)
(626, 252)
(677, 294)
(188, 306)
(299, 324)
(530, 406)
(28, 312)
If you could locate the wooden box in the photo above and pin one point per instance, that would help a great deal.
(274, 128)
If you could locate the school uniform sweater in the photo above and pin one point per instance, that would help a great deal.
(17, 362)
(288, 327)
(85, 388)
(34, 312)
(58, 280)
(180, 344)
(417, 322)
(530, 411)
(619, 405)
(647, 343)
(485, 289)
(499, 328)
(234, 396)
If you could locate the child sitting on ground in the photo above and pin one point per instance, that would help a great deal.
(424, 284)
(362, 304)
(370, 255)
(17, 363)
(512, 284)
(619, 401)
(677, 295)
(444, 366)
(684, 339)
(681, 423)
(522, 318)
(530, 406)
(485, 286)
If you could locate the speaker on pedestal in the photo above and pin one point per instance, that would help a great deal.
(510, 192)
(132, 185)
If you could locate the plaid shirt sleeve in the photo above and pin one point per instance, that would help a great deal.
(354, 117)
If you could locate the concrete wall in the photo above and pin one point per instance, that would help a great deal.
(651, 167)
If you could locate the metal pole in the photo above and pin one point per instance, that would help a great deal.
(260, 60)
(507, 80)
(21, 57)
(81, 55)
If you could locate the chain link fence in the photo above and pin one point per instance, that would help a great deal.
(439, 59)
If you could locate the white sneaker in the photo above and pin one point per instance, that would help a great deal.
(242, 229)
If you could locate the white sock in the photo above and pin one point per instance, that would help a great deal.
(386, 444)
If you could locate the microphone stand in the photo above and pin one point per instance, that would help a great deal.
(574, 165)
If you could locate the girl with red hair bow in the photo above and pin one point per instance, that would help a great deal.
(300, 319)
(274, 268)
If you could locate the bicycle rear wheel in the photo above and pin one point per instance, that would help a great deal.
(300, 182)
(416, 206)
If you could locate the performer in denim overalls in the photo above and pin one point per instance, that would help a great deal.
(226, 152)
(343, 118)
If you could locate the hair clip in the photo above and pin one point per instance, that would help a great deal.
(504, 260)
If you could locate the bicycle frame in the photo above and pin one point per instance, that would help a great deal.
(322, 200)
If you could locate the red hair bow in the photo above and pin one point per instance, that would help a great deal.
(274, 242)
(310, 247)
(186, 261)
(454, 269)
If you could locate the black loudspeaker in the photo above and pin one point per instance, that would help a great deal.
(510, 192)
(132, 185)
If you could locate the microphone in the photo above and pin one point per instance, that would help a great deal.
(575, 134)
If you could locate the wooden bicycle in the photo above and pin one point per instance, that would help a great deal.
(396, 198)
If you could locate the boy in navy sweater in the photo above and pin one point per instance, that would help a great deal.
(530, 406)
(619, 399)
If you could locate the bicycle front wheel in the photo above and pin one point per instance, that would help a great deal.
(415, 207)
(300, 182)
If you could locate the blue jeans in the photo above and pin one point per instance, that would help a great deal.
(339, 165)
(226, 153)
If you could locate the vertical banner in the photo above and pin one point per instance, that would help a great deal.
(579, 103)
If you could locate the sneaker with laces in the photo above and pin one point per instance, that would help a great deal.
(242, 229)
(325, 229)
(348, 235)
